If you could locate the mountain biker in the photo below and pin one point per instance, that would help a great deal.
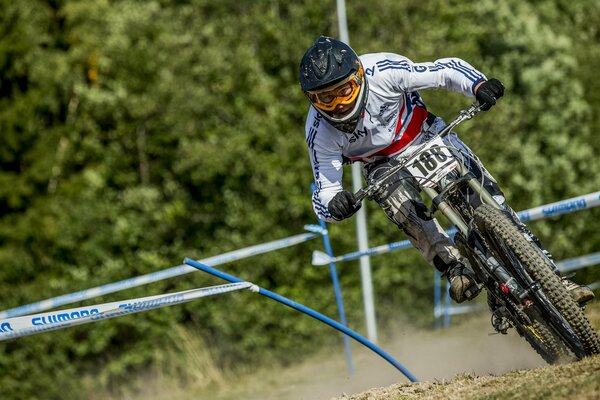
(368, 109)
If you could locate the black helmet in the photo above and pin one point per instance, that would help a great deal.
(332, 77)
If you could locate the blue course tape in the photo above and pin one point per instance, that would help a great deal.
(154, 276)
(299, 307)
(320, 258)
(561, 207)
(578, 262)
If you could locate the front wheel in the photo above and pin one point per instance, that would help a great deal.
(544, 341)
(508, 244)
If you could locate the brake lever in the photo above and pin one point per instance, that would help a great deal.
(361, 194)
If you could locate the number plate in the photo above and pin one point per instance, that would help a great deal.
(433, 162)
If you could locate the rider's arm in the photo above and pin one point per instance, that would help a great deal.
(446, 73)
(326, 160)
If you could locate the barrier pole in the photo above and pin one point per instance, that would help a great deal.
(338, 294)
(437, 294)
(566, 206)
(299, 307)
(447, 305)
(362, 236)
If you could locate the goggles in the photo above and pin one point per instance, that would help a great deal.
(343, 93)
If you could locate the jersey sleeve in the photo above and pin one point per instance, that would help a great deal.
(446, 73)
(326, 161)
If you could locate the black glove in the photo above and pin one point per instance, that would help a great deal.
(342, 205)
(488, 92)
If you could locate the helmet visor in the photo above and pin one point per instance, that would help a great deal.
(343, 93)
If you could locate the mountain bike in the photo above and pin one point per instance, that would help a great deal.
(524, 290)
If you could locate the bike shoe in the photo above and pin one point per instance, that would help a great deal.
(581, 294)
(462, 283)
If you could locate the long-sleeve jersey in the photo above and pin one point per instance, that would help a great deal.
(392, 122)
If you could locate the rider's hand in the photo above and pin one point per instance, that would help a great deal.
(488, 92)
(342, 205)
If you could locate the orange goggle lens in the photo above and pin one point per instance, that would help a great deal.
(344, 93)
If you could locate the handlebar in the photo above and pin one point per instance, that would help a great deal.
(462, 116)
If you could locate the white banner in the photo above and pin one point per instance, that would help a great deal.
(36, 323)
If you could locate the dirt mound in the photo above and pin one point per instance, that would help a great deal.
(580, 380)
(477, 362)
(468, 348)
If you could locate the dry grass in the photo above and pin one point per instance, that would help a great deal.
(579, 380)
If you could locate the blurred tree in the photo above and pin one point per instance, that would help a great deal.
(134, 133)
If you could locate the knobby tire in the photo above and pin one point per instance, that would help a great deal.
(500, 227)
(550, 347)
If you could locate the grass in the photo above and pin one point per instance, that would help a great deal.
(580, 380)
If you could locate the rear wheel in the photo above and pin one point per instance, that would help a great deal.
(505, 237)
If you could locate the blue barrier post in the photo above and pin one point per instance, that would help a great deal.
(299, 307)
(437, 295)
(447, 305)
(338, 293)
(336, 286)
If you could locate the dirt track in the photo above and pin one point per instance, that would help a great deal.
(461, 362)
(577, 380)
(432, 356)
(429, 355)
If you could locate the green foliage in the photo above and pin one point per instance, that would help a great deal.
(134, 133)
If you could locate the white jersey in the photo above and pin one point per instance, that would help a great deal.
(393, 120)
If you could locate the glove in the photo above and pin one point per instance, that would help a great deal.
(342, 205)
(488, 92)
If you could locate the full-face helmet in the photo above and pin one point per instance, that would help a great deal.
(332, 77)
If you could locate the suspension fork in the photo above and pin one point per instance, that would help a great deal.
(448, 212)
(487, 264)
(478, 188)
(452, 215)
